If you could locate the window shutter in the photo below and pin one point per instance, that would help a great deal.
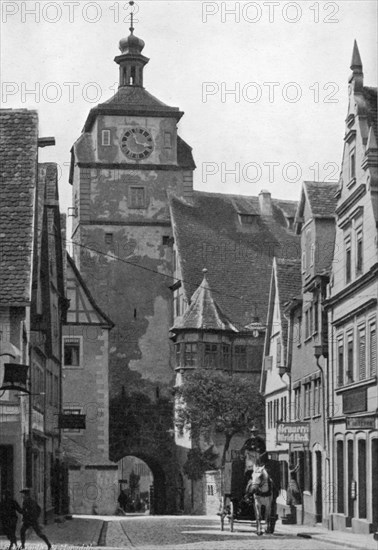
(373, 350)
(362, 354)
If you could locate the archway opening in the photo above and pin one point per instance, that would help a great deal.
(142, 485)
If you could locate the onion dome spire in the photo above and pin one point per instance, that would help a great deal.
(131, 60)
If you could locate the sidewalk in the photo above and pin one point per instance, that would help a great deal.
(342, 538)
(74, 532)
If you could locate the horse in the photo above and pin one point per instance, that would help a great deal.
(260, 486)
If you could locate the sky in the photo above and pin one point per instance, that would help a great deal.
(263, 84)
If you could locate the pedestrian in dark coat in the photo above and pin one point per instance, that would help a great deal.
(31, 512)
(8, 517)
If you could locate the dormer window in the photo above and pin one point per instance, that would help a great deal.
(105, 138)
(246, 219)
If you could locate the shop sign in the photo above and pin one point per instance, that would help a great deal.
(293, 432)
(360, 423)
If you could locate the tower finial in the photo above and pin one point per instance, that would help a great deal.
(131, 29)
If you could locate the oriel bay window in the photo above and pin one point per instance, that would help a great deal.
(191, 354)
(211, 356)
(178, 354)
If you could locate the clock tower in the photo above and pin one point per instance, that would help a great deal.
(126, 162)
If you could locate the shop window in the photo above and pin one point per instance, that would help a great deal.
(340, 476)
(362, 478)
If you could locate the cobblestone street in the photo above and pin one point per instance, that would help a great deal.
(187, 533)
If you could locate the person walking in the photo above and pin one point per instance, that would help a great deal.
(8, 517)
(31, 512)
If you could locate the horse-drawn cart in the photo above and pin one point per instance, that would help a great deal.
(249, 494)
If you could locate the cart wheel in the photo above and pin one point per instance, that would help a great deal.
(231, 517)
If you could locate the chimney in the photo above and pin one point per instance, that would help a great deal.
(265, 203)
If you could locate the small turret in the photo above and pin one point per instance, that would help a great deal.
(356, 79)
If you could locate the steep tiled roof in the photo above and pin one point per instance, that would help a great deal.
(18, 174)
(203, 312)
(289, 285)
(131, 99)
(321, 197)
(208, 233)
(370, 95)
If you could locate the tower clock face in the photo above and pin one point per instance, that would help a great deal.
(137, 143)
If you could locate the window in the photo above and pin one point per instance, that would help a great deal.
(56, 392)
(312, 259)
(297, 403)
(299, 335)
(178, 354)
(308, 248)
(316, 406)
(165, 240)
(72, 411)
(307, 400)
(303, 261)
(190, 355)
(359, 252)
(240, 357)
(309, 322)
(279, 352)
(72, 352)
(270, 415)
(361, 353)
(352, 165)
(226, 356)
(372, 348)
(105, 135)
(350, 360)
(167, 140)
(246, 219)
(137, 197)
(340, 362)
(308, 471)
(348, 260)
(108, 238)
(340, 476)
(316, 316)
(49, 388)
(211, 356)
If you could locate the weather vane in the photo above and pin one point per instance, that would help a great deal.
(131, 29)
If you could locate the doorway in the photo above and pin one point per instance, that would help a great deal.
(318, 489)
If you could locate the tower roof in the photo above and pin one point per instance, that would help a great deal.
(203, 312)
(356, 62)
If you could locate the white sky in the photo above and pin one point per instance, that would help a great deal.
(188, 52)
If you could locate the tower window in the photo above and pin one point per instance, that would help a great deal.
(137, 197)
(105, 135)
(167, 140)
(132, 77)
(108, 238)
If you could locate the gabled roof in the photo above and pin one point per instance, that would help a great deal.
(289, 285)
(132, 100)
(18, 175)
(208, 232)
(90, 315)
(203, 312)
(321, 199)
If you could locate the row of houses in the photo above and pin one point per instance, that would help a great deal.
(46, 311)
(320, 357)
